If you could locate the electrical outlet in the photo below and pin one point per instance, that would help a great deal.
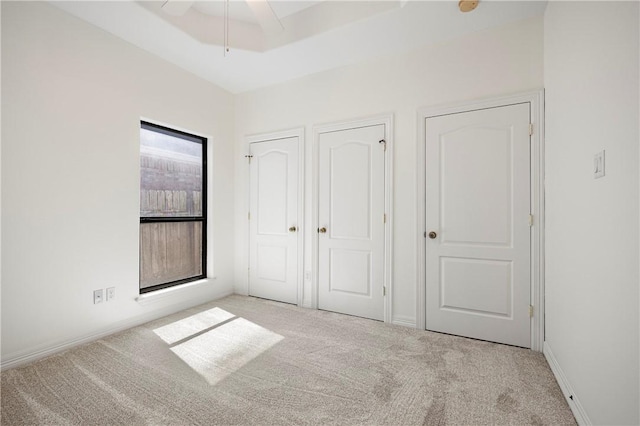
(111, 293)
(97, 296)
(307, 276)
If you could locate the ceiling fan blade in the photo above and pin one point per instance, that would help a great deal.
(266, 16)
(176, 7)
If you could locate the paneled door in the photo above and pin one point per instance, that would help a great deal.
(478, 272)
(351, 221)
(273, 221)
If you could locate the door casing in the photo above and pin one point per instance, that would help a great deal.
(536, 99)
(264, 137)
(387, 121)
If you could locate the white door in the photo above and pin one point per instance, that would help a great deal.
(273, 224)
(477, 217)
(351, 221)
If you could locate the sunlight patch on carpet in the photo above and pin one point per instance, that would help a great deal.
(216, 343)
(180, 330)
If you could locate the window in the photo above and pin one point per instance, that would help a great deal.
(173, 207)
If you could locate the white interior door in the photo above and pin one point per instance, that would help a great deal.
(273, 224)
(477, 216)
(351, 221)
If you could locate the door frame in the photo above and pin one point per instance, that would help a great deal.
(387, 121)
(266, 137)
(536, 100)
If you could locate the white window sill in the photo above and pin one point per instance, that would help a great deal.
(154, 296)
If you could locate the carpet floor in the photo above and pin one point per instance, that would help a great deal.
(242, 360)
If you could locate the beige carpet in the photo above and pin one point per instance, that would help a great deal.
(242, 360)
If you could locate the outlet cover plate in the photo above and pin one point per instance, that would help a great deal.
(111, 293)
(97, 296)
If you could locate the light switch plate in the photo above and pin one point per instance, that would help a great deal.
(598, 165)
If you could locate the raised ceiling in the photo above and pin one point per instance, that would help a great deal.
(317, 35)
(239, 9)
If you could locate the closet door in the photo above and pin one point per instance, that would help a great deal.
(478, 261)
(351, 221)
(273, 223)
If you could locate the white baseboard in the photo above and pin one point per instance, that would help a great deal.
(33, 354)
(404, 321)
(578, 410)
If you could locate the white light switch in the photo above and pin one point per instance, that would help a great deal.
(598, 165)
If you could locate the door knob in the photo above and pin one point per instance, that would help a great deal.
(293, 229)
(322, 230)
(432, 235)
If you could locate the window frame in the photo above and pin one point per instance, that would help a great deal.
(190, 137)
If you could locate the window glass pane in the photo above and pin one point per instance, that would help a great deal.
(170, 175)
(169, 251)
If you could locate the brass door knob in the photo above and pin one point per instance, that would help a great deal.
(293, 229)
(432, 235)
(322, 230)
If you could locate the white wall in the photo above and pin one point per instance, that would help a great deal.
(592, 254)
(72, 98)
(489, 63)
(0, 183)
